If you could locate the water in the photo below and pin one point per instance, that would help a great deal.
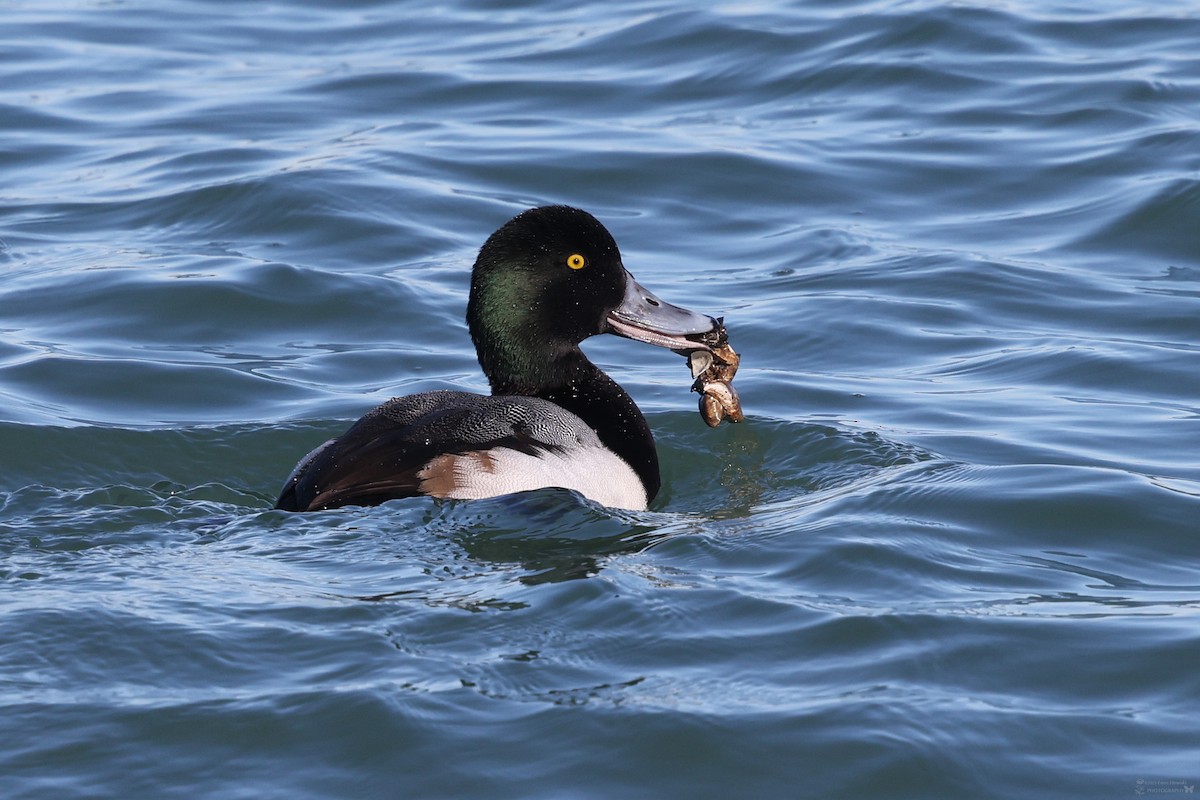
(952, 553)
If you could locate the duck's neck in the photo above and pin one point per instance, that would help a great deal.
(576, 384)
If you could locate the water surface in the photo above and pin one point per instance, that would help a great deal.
(951, 553)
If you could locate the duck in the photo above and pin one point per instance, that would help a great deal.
(542, 283)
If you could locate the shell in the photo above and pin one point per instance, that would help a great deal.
(718, 401)
(714, 372)
(710, 410)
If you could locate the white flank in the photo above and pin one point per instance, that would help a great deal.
(595, 472)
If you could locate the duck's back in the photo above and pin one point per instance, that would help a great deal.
(464, 446)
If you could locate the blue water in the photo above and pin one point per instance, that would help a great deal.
(953, 552)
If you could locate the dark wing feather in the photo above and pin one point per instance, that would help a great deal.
(381, 456)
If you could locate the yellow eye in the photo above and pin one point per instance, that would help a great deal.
(576, 261)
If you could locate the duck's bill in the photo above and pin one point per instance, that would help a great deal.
(645, 318)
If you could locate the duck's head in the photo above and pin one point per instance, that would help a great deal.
(551, 277)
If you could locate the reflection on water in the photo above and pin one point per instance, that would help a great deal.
(951, 552)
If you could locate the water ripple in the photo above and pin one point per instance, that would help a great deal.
(950, 553)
